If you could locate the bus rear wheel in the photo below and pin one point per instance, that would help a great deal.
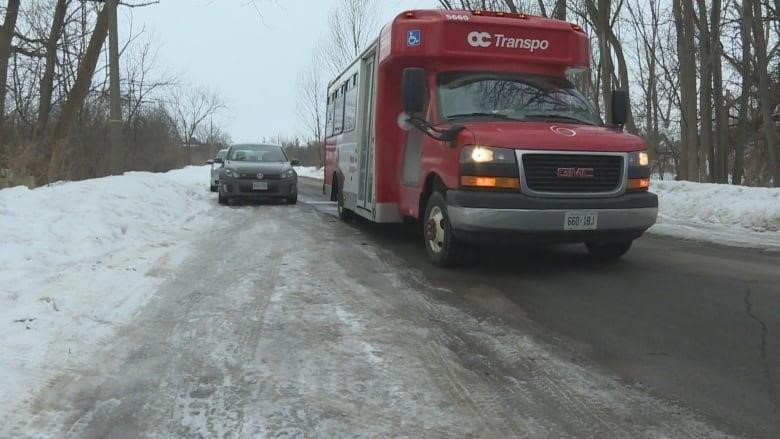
(344, 213)
(442, 247)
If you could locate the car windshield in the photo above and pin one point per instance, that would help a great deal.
(257, 153)
(523, 97)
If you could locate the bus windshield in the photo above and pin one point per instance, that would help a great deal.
(515, 96)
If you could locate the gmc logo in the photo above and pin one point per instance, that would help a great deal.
(574, 172)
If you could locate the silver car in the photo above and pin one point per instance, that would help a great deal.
(216, 166)
(253, 171)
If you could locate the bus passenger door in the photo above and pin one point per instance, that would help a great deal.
(366, 141)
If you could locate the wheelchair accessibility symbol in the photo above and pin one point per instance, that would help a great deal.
(413, 38)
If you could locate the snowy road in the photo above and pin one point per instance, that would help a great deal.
(285, 323)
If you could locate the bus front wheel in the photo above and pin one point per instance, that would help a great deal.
(440, 244)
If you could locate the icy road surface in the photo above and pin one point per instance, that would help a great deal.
(285, 322)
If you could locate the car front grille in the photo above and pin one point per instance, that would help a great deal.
(572, 173)
(247, 176)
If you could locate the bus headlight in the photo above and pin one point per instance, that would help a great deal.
(488, 167)
(639, 158)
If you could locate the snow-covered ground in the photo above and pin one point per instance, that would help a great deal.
(719, 213)
(79, 258)
(310, 172)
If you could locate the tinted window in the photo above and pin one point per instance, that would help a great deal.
(350, 105)
(464, 96)
(257, 153)
(338, 118)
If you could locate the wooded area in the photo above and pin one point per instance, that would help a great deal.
(54, 89)
(703, 76)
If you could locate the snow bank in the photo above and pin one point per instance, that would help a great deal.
(727, 214)
(310, 172)
(79, 258)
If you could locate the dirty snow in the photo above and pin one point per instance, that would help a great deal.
(310, 172)
(721, 213)
(79, 258)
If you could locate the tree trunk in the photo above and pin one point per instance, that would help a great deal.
(705, 91)
(744, 102)
(689, 142)
(47, 81)
(76, 98)
(560, 10)
(766, 101)
(6, 38)
(721, 144)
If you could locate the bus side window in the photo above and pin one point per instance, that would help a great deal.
(350, 105)
(329, 117)
(338, 119)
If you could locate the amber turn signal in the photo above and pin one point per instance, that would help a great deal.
(490, 182)
(638, 184)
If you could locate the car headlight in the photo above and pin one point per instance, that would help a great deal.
(231, 173)
(639, 158)
(289, 173)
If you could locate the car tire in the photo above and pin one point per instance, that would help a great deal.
(292, 199)
(344, 213)
(608, 250)
(441, 245)
(213, 188)
(221, 199)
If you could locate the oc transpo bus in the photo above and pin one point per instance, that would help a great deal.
(467, 122)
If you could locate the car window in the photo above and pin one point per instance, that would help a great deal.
(257, 153)
(222, 154)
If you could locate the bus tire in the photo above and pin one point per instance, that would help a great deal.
(608, 251)
(442, 247)
(344, 213)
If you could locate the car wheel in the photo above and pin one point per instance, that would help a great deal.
(221, 199)
(213, 188)
(608, 250)
(292, 199)
(344, 213)
(442, 247)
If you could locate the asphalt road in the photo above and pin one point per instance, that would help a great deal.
(693, 323)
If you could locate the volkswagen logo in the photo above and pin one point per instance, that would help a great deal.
(259, 175)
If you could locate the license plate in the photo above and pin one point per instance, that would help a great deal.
(259, 186)
(580, 220)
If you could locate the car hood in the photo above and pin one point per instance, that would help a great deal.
(548, 136)
(255, 167)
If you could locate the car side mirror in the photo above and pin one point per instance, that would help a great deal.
(620, 104)
(295, 162)
(209, 162)
(414, 90)
(219, 160)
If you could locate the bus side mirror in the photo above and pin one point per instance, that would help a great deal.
(414, 90)
(619, 107)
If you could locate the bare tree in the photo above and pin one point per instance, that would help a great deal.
(78, 94)
(352, 24)
(6, 38)
(311, 100)
(765, 94)
(190, 107)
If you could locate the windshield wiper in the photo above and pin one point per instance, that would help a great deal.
(559, 117)
(479, 114)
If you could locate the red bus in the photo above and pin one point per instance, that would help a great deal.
(465, 121)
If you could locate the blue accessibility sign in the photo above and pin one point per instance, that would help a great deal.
(414, 38)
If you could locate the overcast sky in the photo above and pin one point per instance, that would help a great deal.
(252, 60)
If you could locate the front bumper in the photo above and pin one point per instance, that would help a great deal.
(242, 188)
(510, 217)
